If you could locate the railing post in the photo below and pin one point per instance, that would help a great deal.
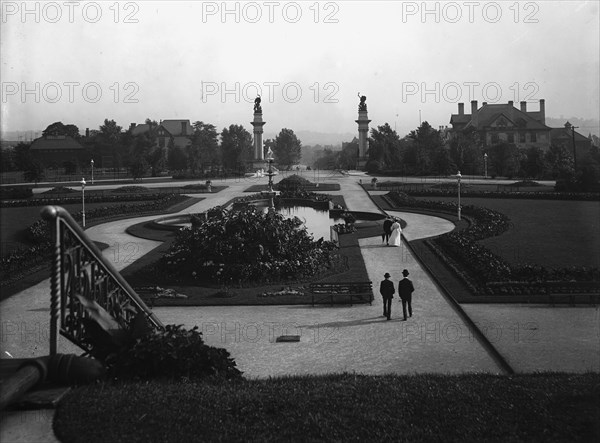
(54, 281)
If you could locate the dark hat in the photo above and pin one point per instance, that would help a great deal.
(387, 275)
(405, 273)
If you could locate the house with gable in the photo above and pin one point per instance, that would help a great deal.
(177, 130)
(567, 136)
(57, 150)
(503, 122)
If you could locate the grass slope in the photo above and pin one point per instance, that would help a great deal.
(474, 407)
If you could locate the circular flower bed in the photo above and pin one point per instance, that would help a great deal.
(245, 245)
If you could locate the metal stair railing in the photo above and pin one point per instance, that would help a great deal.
(80, 269)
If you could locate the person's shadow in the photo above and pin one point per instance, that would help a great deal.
(345, 324)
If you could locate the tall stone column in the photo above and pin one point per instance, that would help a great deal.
(258, 124)
(363, 132)
(258, 162)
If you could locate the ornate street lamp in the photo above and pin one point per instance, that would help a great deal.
(458, 177)
(485, 164)
(92, 163)
(83, 200)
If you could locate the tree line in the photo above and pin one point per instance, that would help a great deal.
(226, 151)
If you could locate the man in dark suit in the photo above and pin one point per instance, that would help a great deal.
(387, 291)
(405, 290)
(387, 230)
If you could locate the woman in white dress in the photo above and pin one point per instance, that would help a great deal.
(396, 234)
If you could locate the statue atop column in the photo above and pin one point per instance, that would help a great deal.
(362, 106)
(257, 107)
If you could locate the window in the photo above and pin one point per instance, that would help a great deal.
(522, 137)
(533, 137)
(511, 137)
(495, 138)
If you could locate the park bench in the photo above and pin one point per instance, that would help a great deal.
(339, 292)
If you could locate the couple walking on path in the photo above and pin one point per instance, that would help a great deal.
(405, 290)
(392, 232)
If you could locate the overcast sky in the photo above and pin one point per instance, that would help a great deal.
(83, 62)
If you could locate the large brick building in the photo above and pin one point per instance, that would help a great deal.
(56, 150)
(497, 123)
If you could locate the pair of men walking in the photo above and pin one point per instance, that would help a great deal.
(405, 290)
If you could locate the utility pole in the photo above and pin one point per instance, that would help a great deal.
(574, 150)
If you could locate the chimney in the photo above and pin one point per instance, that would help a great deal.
(87, 132)
(461, 109)
(543, 111)
(511, 103)
(523, 106)
(474, 120)
(132, 126)
(183, 128)
(484, 103)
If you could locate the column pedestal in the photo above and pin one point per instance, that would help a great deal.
(363, 138)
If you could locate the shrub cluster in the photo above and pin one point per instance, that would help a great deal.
(89, 198)
(245, 245)
(174, 352)
(15, 193)
(39, 233)
(476, 265)
(293, 182)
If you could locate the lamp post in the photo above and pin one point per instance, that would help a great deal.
(485, 164)
(458, 177)
(92, 163)
(83, 200)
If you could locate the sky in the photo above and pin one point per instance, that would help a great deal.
(83, 62)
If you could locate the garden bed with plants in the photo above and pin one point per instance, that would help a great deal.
(516, 190)
(35, 259)
(485, 273)
(65, 195)
(268, 269)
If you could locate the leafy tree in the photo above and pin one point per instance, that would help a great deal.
(204, 147)
(349, 155)
(109, 141)
(465, 151)
(139, 168)
(533, 163)
(427, 141)
(23, 158)
(176, 158)
(384, 147)
(58, 128)
(559, 161)
(504, 159)
(7, 160)
(236, 146)
(288, 148)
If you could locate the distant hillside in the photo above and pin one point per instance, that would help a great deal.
(309, 138)
(585, 126)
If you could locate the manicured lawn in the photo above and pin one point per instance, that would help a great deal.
(550, 233)
(347, 407)
(15, 222)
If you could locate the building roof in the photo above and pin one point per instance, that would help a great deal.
(140, 129)
(55, 142)
(498, 115)
(174, 127)
(565, 133)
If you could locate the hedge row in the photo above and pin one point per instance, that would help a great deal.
(485, 272)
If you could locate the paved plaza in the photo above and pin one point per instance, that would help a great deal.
(335, 339)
